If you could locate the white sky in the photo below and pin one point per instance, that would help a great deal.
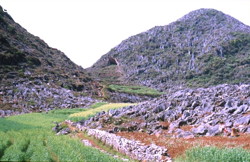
(86, 29)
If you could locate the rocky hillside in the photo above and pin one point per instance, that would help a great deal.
(205, 47)
(34, 76)
(220, 110)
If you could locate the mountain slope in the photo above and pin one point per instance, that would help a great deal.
(205, 47)
(35, 76)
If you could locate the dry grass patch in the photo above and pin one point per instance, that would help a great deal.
(101, 108)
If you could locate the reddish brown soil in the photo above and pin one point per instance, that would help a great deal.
(246, 114)
(186, 127)
(177, 146)
(82, 137)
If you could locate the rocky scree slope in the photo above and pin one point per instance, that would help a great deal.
(205, 47)
(219, 110)
(35, 76)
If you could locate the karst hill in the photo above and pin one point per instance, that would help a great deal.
(205, 47)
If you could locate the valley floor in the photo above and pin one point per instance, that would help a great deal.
(29, 137)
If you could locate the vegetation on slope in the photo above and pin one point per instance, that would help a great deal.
(111, 74)
(233, 67)
(35, 74)
(137, 90)
(205, 47)
(117, 89)
(31, 58)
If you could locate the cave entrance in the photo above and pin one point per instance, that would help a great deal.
(113, 61)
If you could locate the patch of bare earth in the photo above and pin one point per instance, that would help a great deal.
(178, 146)
(82, 136)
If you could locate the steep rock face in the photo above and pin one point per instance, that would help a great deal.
(205, 47)
(27, 61)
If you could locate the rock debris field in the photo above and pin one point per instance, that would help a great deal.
(220, 110)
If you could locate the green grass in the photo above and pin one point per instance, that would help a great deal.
(137, 90)
(213, 154)
(29, 137)
(65, 113)
(99, 108)
(96, 105)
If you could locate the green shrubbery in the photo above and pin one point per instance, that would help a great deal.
(239, 44)
(137, 90)
(217, 70)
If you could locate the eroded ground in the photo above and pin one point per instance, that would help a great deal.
(177, 146)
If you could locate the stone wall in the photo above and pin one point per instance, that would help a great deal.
(131, 148)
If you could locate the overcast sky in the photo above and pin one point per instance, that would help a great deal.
(87, 29)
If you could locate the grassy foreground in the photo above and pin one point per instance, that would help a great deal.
(214, 154)
(29, 137)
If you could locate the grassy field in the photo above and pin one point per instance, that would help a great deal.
(29, 137)
(137, 90)
(214, 154)
(99, 108)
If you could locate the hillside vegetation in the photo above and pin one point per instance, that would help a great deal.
(137, 90)
(25, 57)
(34, 75)
(205, 47)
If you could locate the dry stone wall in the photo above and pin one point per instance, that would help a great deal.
(131, 148)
